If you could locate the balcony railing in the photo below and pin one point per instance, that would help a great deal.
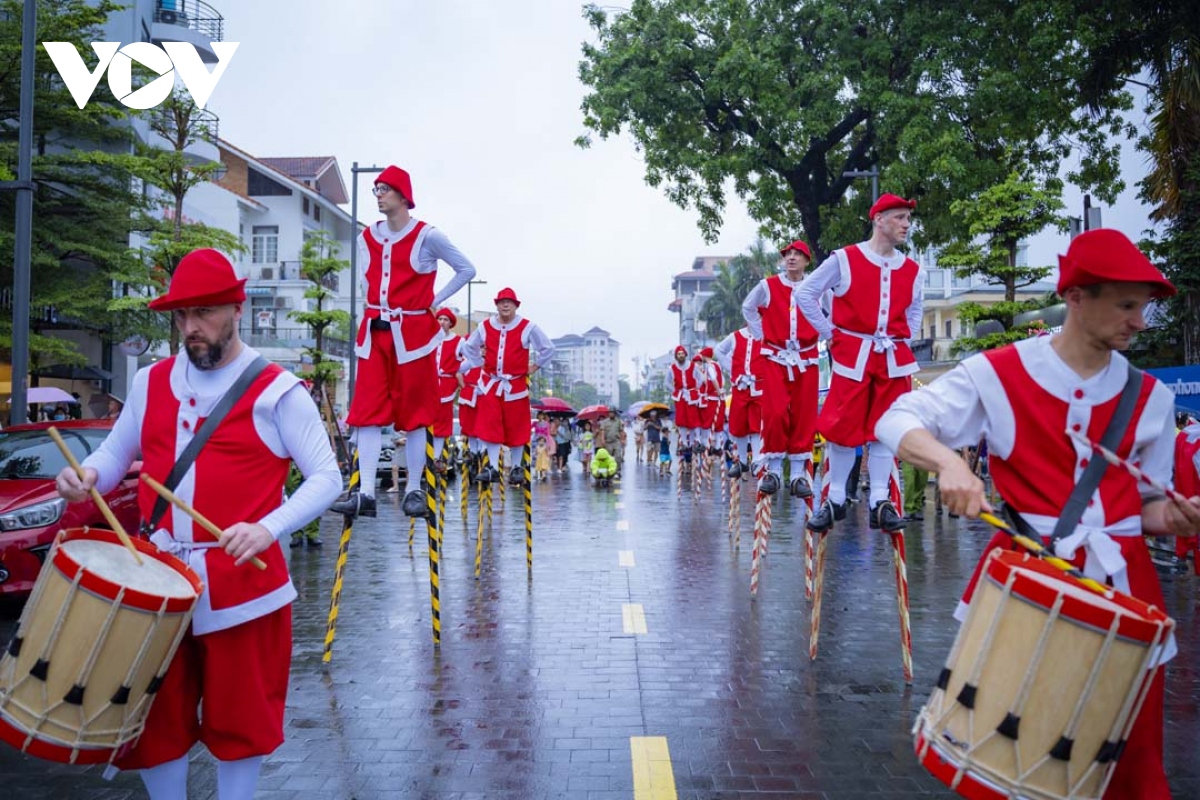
(295, 339)
(194, 14)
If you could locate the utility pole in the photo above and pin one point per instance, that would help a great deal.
(469, 285)
(354, 170)
(24, 186)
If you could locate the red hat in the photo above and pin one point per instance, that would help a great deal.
(448, 314)
(398, 179)
(508, 294)
(680, 349)
(886, 202)
(1105, 255)
(799, 247)
(203, 278)
(706, 352)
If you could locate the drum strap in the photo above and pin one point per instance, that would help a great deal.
(1090, 479)
(203, 433)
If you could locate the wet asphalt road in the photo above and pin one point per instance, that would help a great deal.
(538, 691)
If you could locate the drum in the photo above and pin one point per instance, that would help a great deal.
(92, 646)
(1042, 685)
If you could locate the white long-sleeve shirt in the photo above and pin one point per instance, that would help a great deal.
(292, 429)
(435, 247)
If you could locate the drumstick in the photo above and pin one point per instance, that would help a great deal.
(1047, 555)
(203, 521)
(1117, 461)
(97, 498)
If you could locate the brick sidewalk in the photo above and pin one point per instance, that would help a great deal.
(537, 689)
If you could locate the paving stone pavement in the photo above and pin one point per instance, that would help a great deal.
(537, 688)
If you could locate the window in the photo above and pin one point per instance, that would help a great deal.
(935, 279)
(316, 212)
(264, 244)
(949, 334)
(304, 206)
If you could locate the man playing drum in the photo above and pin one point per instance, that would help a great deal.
(228, 682)
(1023, 398)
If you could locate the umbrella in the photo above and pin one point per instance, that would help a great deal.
(645, 410)
(636, 408)
(592, 413)
(553, 407)
(46, 394)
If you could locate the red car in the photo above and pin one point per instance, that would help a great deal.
(32, 513)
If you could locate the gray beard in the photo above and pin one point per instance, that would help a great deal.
(210, 358)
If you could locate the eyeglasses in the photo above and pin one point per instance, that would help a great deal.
(380, 189)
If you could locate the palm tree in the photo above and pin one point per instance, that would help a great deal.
(723, 310)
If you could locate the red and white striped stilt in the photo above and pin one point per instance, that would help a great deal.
(808, 535)
(901, 569)
(735, 503)
(818, 593)
(678, 468)
(697, 474)
(762, 507)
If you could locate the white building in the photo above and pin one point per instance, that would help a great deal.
(692, 289)
(593, 358)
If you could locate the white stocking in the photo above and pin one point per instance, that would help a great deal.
(414, 459)
(236, 779)
(879, 472)
(167, 781)
(841, 462)
(369, 442)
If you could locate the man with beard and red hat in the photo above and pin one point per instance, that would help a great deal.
(789, 373)
(510, 349)
(450, 381)
(876, 308)
(397, 381)
(1026, 399)
(710, 383)
(234, 659)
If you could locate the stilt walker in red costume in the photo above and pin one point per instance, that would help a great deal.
(233, 662)
(683, 392)
(876, 307)
(709, 383)
(397, 381)
(1187, 482)
(450, 381)
(740, 355)
(789, 375)
(510, 349)
(1025, 398)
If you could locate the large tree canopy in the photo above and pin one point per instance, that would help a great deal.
(777, 99)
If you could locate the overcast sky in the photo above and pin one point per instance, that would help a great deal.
(480, 102)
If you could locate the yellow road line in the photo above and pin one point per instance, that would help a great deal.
(622, 524)
(619, 505)
(616, 491)
(653, 778)
(625, 558)
(633, 618)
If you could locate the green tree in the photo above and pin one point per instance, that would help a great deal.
(776, 100)
(994, 224)
(1159, 39)
(87, 202)
(319, 264)
(723, 310)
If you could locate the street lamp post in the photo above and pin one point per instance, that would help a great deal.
(469, 285)
(872, 173)
(354, 170)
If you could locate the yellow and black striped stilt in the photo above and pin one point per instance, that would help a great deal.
(503, 480)
(527, 488)
(483, 492)
(442, 489)
(340, 570)
(465, 487)
(435, 537)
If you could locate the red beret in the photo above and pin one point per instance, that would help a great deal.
(680, 349)
(799, 247)
(448, 314)
(706, 352)
(398, 179)
(508, 294)
(1105, 255)
(886, 202)
(203, 278)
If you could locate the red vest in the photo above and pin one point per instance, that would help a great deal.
(782, 320)
(395, 286)
(1035, 477)
(236, 479)
(746, 363)
(505, 359)
(466, 395)
(683, 383)
(448, 363)
(1187, 481)
(858, 309)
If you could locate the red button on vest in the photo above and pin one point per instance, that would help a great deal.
(1076, 427)
(186, 425)
(1079, 394)
(1084, 463)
